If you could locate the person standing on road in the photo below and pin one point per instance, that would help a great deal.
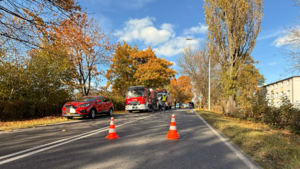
(163, 102)
(175, 104)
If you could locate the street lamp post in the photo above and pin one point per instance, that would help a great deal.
(208, 71)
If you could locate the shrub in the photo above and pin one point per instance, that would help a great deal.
(18, 109)
(287, 116)
(119, 102)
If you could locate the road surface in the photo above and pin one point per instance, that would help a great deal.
(142, 144)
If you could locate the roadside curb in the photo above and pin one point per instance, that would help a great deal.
(247, 159)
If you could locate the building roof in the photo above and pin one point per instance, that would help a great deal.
(280, 81)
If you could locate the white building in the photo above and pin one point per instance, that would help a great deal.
(289, 87)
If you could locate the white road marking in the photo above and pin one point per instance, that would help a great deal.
(231, 147)
(56, 145)
(24, 151)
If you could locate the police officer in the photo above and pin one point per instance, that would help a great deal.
(163, 102)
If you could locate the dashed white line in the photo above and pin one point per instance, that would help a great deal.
(56, 145)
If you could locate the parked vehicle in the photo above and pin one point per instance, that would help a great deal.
(88, 106)
(168, 103)
(191, 105)
(139, 98)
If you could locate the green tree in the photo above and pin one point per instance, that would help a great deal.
(51, 73)
(249, 82)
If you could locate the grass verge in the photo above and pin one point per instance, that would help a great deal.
(269, 147)
(12, 125)
(8, 126)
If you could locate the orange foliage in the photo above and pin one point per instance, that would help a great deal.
(88, 46)
(131, 67)
(181, 88)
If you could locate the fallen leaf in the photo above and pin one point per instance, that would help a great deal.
(63, 130)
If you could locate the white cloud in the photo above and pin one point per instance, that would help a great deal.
(273, 63)
(291, 39)
(281, 41)
(93, 84)
(196, 30)
(174, 64)
(163, 40)
(174, 46)
(269, 36)
(143, 30)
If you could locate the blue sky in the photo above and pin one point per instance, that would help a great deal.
(165, 24)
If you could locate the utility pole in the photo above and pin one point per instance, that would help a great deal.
(208, 83)
(199, 104)
(208, 70)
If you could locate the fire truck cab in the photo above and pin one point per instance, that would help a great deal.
(139, 98)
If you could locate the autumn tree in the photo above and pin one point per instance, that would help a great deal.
(194, 63)
(131, 67)
(25, 20)
(249, 83)
(233, 26)
(292, 41)
(181, 88)
(89, 48)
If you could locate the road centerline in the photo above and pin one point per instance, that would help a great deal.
(83, 135)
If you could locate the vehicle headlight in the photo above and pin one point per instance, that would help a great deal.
(84, 105)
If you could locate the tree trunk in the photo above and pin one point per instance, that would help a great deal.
(230, 106)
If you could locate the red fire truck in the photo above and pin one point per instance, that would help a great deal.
(168, 103)
(139, 98)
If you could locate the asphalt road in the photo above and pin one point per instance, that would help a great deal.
(142, 144)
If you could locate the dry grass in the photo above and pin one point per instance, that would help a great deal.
(8, 126)
(12, 125)
(120, 112)
(269, 147)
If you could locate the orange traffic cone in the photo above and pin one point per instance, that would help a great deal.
(112, 131)
(172, 134)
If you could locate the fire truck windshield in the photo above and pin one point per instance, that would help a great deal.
(135, 93)
(160, 94)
